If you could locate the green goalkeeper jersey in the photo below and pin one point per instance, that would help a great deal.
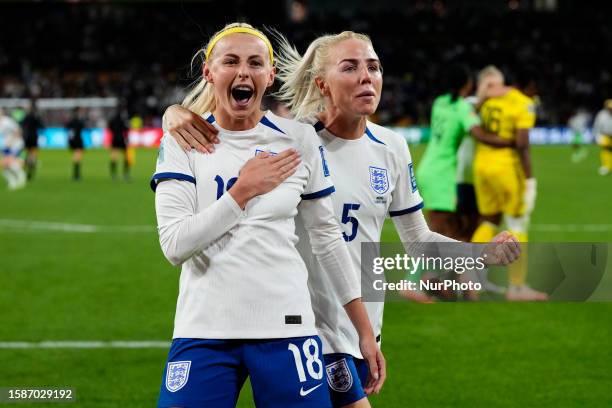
(450, 122)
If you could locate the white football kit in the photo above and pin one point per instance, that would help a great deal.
(603, 124)
(12, 140)
(373, 177)
(242, 277)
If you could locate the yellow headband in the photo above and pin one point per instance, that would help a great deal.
(235, 30)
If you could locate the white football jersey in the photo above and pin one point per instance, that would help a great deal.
(603, 123)
(9, 130)
(251, 282)
(374, 178)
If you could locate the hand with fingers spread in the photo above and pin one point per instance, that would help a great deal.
(502, 250)
(263, 173)
(190, 130)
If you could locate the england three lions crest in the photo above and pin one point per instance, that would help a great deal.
(177, 375)
(339, 376)
(379, 181)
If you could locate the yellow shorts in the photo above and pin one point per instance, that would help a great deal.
(499, 189)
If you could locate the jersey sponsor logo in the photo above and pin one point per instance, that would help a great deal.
(177, 375)
(379, 181)
(325, 168)
(339, 376)
(304, 392)
(412, 177)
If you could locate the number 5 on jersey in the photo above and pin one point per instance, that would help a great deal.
(346, 219)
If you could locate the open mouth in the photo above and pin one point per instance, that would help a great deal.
(366, 94)
(242, 94)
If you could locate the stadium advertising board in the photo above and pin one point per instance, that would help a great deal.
(57, 138)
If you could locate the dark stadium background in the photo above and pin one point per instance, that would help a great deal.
(140, 51)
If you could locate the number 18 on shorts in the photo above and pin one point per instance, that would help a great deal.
(210, 373)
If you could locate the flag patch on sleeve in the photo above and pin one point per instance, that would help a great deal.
(325, 168)
(413, 183)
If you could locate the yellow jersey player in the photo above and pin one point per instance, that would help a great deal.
(603, 132)
(503, 179)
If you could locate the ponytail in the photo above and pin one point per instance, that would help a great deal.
(297, 73)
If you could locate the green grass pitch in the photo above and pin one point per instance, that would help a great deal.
(116, 285)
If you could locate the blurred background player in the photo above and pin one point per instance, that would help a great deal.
(602, 128)
(467, 209)
(75, 141)
(578, 123)
(31, 125)
(119, 131)
(12, 164)
(503, 179)
(452, 118)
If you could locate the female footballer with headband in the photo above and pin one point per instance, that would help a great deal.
(243, 307)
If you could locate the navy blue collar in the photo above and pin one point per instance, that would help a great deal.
(320, 126)
(264, 121)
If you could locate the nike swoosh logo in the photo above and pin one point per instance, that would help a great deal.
(304, 393)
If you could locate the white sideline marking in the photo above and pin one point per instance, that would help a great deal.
(571, 227)
(565, 227)
(32, 226)
(84, 344)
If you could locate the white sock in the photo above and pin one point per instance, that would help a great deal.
(20, 175)
(10, 177)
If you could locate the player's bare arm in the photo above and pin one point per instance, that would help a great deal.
(522, 147)
(489, 138)
(368, 346)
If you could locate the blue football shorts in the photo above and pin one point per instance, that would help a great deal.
(285, 373)
(11, 152)
(346, 377)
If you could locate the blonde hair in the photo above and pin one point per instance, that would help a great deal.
(201, 97)
(297, 73)
(490, 71)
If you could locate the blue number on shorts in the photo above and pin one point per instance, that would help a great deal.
(221, 187)
(354, 221)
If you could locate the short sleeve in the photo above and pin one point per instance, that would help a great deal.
(405, 197)
(319, 182)
(526, 116)
(469, 117)
(172, 163)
